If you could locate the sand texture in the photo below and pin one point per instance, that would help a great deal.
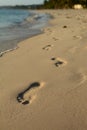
(43, 83)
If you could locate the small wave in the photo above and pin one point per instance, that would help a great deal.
(34, 18)
(37, 17)
(20, 30)
(3, 52)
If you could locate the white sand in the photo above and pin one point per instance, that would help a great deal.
(55, 63)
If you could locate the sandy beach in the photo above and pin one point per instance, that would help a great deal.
(43, 83)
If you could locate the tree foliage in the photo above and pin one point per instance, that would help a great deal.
(54, 4)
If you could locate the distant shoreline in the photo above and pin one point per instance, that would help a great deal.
(33, 6)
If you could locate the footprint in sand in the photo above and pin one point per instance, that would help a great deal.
(77, 37)
(78, 78)
(59, 62)
(68, 17)
(55, 39)
(48, 47)
(29, 94)
(49, 31)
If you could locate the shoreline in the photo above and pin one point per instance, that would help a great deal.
(32, 26)
(43, 82)
(17, 46)
(41, 31)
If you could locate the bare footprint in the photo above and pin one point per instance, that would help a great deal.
(49, 31)
(47, 47)
(55, 39)
(29, 94)
(58, 62)
(68, 17)
(78, 78)
(77, 37)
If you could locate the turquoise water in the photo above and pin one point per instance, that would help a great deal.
(17, 25)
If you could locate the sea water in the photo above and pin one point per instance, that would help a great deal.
(17, 25)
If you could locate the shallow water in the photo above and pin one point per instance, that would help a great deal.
(17, 25)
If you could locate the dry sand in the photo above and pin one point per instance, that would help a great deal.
(43, 83)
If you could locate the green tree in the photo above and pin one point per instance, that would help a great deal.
(54, 4)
